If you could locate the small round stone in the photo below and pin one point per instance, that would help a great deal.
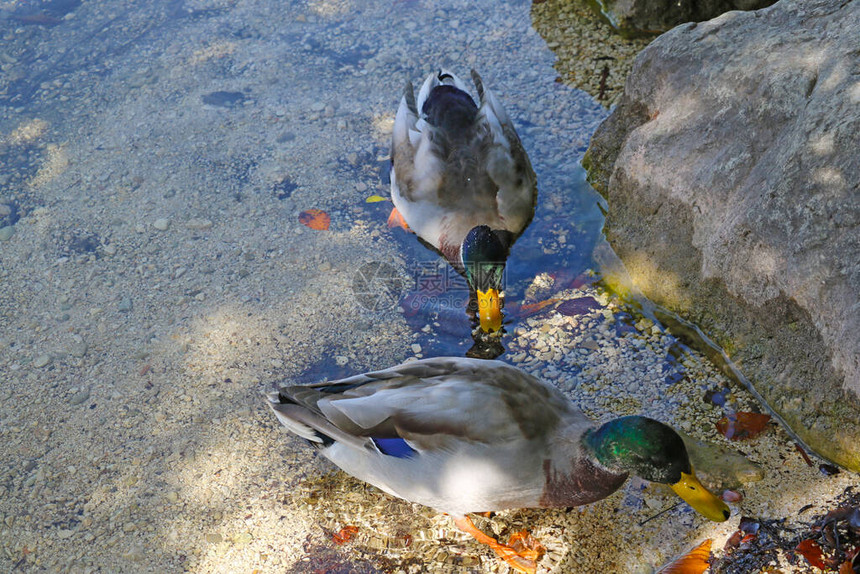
(80, 397)
(213, 538)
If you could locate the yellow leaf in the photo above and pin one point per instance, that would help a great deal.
(375, 199)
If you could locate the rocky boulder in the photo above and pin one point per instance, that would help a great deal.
(638, 17)
(732, 170)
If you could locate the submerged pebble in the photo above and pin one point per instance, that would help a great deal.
(80, 397)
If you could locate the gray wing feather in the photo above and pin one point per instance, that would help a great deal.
(436, 403)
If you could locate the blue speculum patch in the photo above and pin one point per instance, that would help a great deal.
(396, 447)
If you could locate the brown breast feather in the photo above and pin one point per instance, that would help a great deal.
(585, 483)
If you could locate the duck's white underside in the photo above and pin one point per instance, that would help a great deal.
(455, 483)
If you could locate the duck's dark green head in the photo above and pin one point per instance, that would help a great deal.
(483, 255)
(655, 452)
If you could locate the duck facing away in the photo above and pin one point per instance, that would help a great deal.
(468, 435)
(461, 180)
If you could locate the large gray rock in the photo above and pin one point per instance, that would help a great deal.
(732, 170)
(636, 17)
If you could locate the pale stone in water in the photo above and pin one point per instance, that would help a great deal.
(244, 538)
(80, 397)
(213, 538)
(198, 224)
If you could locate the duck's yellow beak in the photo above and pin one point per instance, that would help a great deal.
(704, 502)
(489, 310)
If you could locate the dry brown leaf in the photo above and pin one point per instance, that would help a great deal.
(529, 309)
(742, 425)
(315, 219)
(693, 562)
(810, 550)
(731, 496)
(578, 306)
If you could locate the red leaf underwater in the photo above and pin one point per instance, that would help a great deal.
(742, 425)
(810, 550)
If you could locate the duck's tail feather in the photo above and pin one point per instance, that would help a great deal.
(479, 84)
(493, 111)
(311, 425)
(404, 136)
(409, 95)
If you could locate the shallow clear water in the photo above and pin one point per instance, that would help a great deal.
(559, 243)
(157, 278)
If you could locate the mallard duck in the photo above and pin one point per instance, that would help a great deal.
(461, 180)
(467, 435)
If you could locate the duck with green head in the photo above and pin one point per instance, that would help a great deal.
(468, 435)
(461, 180)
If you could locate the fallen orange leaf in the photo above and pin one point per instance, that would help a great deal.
(810, 550)
(315, 219)
(529, 309)
(693, 562)
(846, 568)
(345, 535)
(742, 425)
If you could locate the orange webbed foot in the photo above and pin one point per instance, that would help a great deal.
(526, 545)
(395, 219)
(521, 553)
